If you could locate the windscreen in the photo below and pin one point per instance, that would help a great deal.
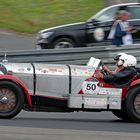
(94, 62)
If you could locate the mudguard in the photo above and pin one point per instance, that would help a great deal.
(134, 83)
(19, 82)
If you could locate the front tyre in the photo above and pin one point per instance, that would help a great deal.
(133, 104)
(42, 46)
(11, 99)
(63, 43)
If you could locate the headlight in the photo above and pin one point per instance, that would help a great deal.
(45, 35)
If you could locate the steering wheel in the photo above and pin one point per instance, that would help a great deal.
(104, 72)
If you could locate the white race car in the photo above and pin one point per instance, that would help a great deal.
(64, 88)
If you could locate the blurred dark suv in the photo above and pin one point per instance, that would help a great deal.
(93, 32)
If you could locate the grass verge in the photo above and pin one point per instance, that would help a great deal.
(30, 16)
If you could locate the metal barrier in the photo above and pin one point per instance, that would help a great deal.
(70, 55)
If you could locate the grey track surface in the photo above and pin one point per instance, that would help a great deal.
(18, 133)
(99, 121)
(68, 126)
(10, 41)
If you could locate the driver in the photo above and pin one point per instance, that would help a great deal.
(118, 68)
(125, 72)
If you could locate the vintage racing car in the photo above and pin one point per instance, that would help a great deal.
(64, 88)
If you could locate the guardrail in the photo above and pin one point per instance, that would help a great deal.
(71, 55)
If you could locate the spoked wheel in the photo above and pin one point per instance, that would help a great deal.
(7, 99)
(133, 104)
(11, 99)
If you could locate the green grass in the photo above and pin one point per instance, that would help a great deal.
(30, 16)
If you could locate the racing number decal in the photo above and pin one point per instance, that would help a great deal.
(90, 87)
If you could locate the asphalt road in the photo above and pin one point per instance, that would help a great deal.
(10, 41)
(18, 133)
(68, 126)
(95, 121)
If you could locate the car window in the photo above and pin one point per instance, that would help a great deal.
(134, 12)
(107, 15)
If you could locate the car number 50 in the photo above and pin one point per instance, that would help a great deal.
(91, 87)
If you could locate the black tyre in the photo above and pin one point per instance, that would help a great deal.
(133, 104)
(43, 46)
(11, 99)
(63, 43)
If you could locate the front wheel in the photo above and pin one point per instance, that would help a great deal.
(63, 43)
(11, 99)
(133, 104)
(41, 46)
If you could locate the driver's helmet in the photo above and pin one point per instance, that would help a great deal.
(119, 55)
(127, 61)
(132, 61)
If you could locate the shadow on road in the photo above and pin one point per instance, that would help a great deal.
(73, 120)
(112, 125)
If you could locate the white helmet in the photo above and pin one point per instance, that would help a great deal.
(127, 61)
(132, 61)
(119, 55)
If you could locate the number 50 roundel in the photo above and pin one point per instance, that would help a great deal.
(90, 87)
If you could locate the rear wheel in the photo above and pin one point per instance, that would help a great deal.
(63, 43)
(11, 99)
(133, 104)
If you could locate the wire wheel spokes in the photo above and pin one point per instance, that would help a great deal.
(7, 100)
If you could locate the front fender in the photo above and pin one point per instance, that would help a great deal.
(134, 83)
(19, 82)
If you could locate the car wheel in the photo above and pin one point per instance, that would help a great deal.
(42, 46)
(63, 43)
(11, 99)
(133, 104)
